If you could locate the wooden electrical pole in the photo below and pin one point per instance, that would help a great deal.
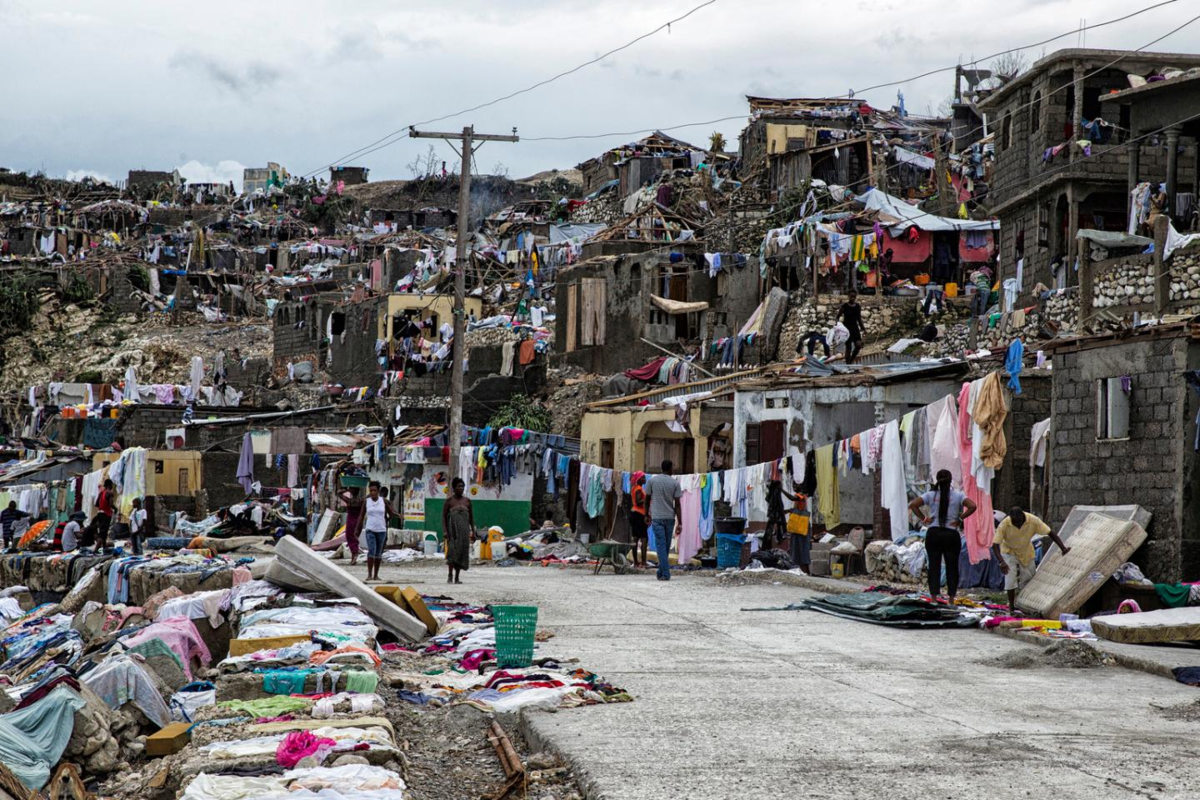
(468, 137)
(942, 182)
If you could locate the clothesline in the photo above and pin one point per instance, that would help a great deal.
(964, 435)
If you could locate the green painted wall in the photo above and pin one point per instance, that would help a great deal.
(511, 515)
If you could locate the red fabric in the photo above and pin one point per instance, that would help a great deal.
(526, 352)
(975, 254)
(647, 373)
(905, 253)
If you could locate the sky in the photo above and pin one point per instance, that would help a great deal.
(102, 88)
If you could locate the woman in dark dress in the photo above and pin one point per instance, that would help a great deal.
(458, 523)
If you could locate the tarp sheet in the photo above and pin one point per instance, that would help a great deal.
(574, 230)
(887, 609)
(906, 215)
(32, 739)
(1113, 238)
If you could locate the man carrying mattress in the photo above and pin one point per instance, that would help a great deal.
(1013, 548)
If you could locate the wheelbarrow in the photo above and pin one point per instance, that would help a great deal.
(610, 552)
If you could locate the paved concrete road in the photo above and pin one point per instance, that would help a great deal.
(734, 704)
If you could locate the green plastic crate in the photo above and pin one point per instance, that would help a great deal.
(515, 629)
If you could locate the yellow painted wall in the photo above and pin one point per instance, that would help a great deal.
(778, 135)
(441, 305)
(628, 430)
(173, 462)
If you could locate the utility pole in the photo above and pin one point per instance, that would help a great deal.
(944, 187)
(468, 138)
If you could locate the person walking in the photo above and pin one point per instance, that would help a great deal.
(458, 524)
(350, 500)
(1013, 547)
(638, 528)
(137, 526)
(664, 492)
(850, 314)
(8, 520)
(943, 540)
(106, 501)
(376, 512)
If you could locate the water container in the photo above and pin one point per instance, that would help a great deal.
(431, 544)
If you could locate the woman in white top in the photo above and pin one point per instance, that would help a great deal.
(376, 512)
(943, 539)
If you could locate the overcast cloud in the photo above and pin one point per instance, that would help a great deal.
(207, 87)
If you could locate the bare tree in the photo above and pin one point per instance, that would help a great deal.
(1008, 66)
(422, 166)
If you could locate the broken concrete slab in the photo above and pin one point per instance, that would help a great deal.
(299, 558)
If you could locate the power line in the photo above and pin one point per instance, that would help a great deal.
(402, 131)
(1072, 32)
(631, 133)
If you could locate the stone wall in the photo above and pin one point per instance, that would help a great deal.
(1145, 468)
(894, 318)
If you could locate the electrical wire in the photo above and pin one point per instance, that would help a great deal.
(867, 89)
(402, 131)
(1073, 32)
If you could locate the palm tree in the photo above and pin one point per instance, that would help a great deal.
(716, 142)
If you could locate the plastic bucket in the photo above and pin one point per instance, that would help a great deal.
(431, 544)
(515, 629)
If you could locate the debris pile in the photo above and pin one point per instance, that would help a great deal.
(190, 676)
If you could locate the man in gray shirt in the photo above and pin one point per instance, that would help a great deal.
(663, 493)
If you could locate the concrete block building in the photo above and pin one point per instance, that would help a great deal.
(1066, 159)
(1124, 432)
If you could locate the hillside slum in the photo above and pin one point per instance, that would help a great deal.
(198, 384)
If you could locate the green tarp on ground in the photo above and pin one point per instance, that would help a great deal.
(32, 739)
(889, 609)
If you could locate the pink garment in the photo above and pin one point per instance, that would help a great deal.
(180, 635)
(689, 523)
(943, 440)
(165, 393)
(979, 529)
(241, 575)
(298, 745)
